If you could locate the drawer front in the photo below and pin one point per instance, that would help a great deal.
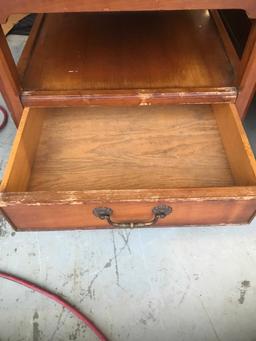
(82, 216)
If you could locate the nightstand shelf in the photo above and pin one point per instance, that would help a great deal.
(127, 57)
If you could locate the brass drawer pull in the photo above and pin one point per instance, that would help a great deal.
(159, 212)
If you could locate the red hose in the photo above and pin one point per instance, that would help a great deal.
(5, 118)
(57, 299)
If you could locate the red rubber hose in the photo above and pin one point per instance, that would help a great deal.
(4, 119)
(57, 299)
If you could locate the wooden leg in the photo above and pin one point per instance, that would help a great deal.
(248, 79)
(9, 80)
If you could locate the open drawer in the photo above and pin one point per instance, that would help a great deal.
(95, 167)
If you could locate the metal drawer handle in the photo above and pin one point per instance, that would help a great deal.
(159, 212)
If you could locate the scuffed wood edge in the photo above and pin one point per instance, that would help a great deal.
(170, 195)
(129, 97)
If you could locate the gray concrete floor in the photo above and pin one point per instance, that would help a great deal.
(190, 284)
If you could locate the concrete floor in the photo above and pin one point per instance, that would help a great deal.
(179, 284)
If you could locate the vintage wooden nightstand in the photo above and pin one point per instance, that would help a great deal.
(129, 115)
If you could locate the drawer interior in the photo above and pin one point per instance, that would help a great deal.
(158, 52)
(127, 148)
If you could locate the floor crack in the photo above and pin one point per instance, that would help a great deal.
(58, 325)
(210, 320)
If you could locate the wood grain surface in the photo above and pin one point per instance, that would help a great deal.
(129, 148)
(128, 51)
(125, 148)
(44, 6)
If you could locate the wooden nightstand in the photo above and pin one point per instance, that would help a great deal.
(128, 116)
